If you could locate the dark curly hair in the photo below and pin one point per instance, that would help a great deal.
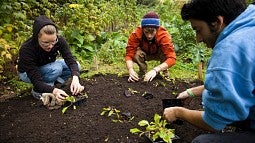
(208, 10)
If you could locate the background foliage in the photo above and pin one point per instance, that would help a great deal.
(97, 31)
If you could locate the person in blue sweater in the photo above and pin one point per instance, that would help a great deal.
(228, 93)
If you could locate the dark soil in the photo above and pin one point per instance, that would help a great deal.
(26, 120)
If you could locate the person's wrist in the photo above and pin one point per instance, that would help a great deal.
(190, 93)
(76, 78)
(157, 69)
(130, 69)
(178, 112)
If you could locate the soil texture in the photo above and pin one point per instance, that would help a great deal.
(26, 120)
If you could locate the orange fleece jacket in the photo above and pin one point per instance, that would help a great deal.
(163, 42)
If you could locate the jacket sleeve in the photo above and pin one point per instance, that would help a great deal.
(133, 43)
(68, 57)
(165, 42)
(27, 63)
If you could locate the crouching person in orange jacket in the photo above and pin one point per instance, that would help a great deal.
(150, 41)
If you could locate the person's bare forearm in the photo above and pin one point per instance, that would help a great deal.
(129, 64)
(198, 90)
(161, 67)
(192, 116)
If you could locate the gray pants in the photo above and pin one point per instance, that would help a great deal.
(228, 137)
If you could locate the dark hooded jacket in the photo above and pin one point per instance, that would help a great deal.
(32, 56)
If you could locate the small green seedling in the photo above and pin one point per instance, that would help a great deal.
(160, 84)
(71, 100)
(112, 111)
(155, 130)
(133, 91)
(144, 94)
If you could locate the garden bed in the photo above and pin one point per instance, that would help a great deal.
(27, 120)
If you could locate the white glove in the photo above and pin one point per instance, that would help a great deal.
(50, 101)
(133, 76)
(149, 76)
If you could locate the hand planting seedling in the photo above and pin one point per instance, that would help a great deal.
(155, 130)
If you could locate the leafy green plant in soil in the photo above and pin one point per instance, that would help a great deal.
(116, 115)
(72, 101)
(155, 129)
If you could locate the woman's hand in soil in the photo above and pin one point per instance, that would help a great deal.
(75, 86)
(133, 77)
(60, 94)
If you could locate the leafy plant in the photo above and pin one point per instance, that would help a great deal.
(70, 100)
(155, 130)
(132, 91)
(160, 83)
(111, 111)
(73, 101)
(8, 58)
(113, 49)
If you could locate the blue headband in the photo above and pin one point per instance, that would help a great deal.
(150, 22)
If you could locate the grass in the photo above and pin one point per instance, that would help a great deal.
(185, 71)
(179, 70)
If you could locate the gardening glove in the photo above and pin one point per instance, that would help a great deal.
(133, 76)
(50, 101)
(76, 87)
(149, 76)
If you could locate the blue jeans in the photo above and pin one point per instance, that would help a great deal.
(55, 71)
(228, 137)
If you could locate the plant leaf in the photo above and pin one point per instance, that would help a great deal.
(157, 118)
(143, 123)
(110, 113)
(135, 131)
(64, 110)
(102, 113)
